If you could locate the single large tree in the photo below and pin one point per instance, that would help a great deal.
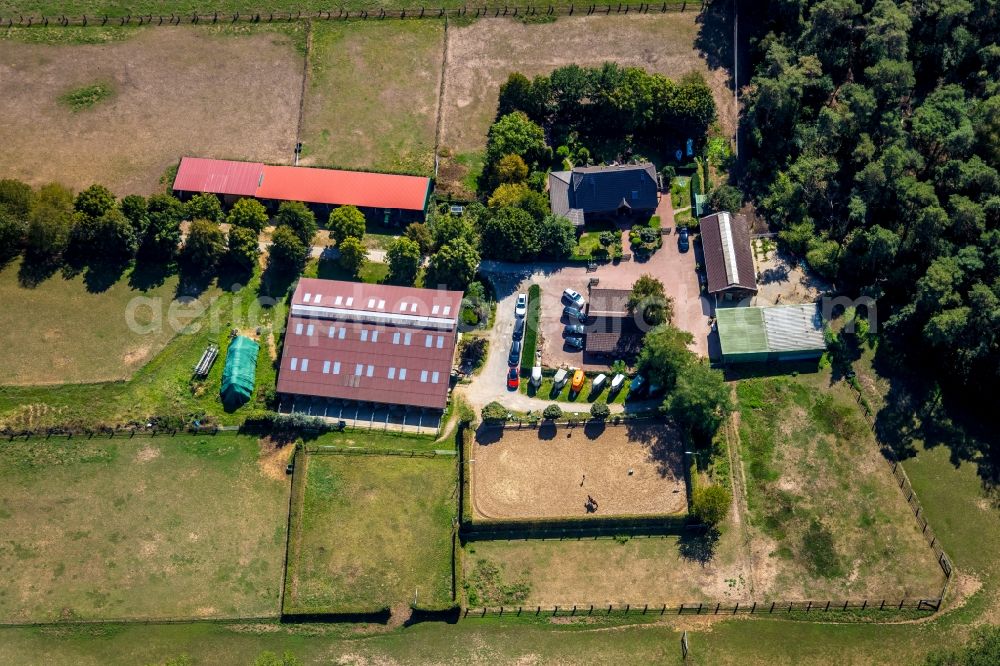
(664, 352)
(49, 223)
(511, 234)
(556, 237)
(163, 230)
(453, 266)
(204, 246)
(353, 255)
(16, 198)
(243, 247)
(404, 261)
(287, 253)
(302, 221)
(649, 301)
(95, 201)
(248, 213)
(204, 206)
(699, 402)
(346, 222)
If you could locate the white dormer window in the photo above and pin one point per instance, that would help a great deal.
(309, 329)
(375, 335)
(381, 304)
(402, 374)
(395, 338)
(447, 310)
(440, 342)
(392, 373)
(339, 300)
(428, 340)
(371, 371)
(316, 299)
(434, 377)
(330, 332)
(342, 333)
(294, 364)
(423, 376)
(298, 328)
(350, 301)
(413, 307)
(307, 297)
(406, 339)
(358, 368)
(336, 367)
(402, 306)
(326, 367)
(371, 303)
(364, 335)
(435, 309)
(305, 365)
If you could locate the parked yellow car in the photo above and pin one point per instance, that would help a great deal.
(578, 380)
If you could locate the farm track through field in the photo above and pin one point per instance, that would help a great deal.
(305, 88)
(738, 476)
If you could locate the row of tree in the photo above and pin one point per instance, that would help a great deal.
(874, 127)
(591, 104)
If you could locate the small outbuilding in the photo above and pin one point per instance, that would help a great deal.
(729, 265)
(778, 333)
(240, 372)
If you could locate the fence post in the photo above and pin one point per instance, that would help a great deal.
(882, 605)
(753, 608)
(736, 609)
(864, 604)
(772, 608)
(809, 607)
(901, 603)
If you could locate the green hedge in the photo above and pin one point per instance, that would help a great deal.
(531, 328)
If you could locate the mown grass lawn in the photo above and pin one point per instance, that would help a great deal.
(163, 527)
(371, 532)
(828, 517)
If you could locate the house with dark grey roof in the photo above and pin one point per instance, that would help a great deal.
(612, 331)
(725, 240)
(588, 193)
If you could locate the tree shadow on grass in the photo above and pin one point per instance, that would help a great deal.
(99, 277)
(147, 274)
(35, 270)
(699, 545)
(715, 36)
(594, 429)
(665, 445)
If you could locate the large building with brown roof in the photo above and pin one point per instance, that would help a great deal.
(725, 240)
(375, 345)
(601, 192)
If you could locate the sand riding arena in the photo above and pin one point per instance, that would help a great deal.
(552, 472)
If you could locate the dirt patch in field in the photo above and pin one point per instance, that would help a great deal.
(147, 453)
(482, 55)
(274, 458)
(551, 472)
(177, 91)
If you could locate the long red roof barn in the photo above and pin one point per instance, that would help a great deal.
(310, 185)
(372, 343)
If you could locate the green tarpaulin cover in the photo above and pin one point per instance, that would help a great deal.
(239, 374)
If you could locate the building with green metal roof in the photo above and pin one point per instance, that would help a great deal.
(778, 333)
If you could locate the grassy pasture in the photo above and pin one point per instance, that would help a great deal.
(827, 517)
(371, 532)
(61, 331)
(163, 386)
(373, 95)
(141, 528)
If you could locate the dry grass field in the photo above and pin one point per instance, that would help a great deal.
(228, 93)
(483, 54)
(164, 527)
(372, 101)
(550, 472)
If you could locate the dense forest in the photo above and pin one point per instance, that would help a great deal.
(873, 136)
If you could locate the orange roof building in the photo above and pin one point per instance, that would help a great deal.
(373, 192)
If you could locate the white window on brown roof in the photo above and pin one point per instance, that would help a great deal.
(392, 373)
(364, 335)
(309, 329)
(326, 367)
(434, 377)
(423, 376)
(336, 367)
(298, 328)
(305, 365)
(294, 364)
(371, 371)
(402, 374)
(307, 297)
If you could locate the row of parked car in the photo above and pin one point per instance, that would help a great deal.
(574, 312)
(514, 357)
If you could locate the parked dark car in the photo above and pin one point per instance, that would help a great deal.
(683, 239)
(574, 314)
(573, 329)
(574, 342)
(519, 328)
(514, 358)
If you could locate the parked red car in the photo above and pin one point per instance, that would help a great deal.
(513, 379)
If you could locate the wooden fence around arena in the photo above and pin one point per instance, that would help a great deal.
(485, 11)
